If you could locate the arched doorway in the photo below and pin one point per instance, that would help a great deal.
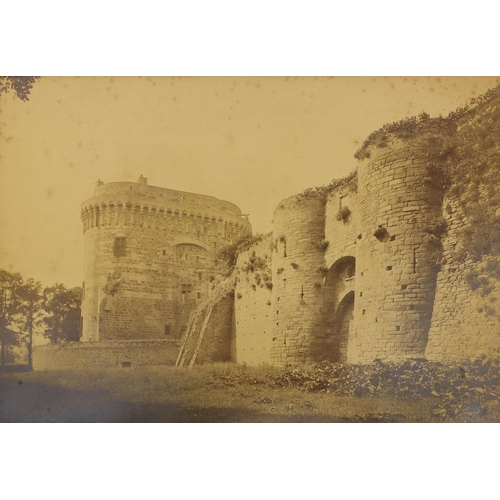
(339, 305)
(343, 327)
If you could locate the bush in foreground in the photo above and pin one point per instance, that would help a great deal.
(463, 391)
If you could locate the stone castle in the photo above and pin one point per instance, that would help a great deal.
(397, 260)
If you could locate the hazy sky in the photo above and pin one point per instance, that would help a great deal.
(251, 141)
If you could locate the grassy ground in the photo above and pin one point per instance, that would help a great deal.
(212, 393)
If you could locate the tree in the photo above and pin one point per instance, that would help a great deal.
(21, 85)
(63, 308)
(30, 295)
(10, 284)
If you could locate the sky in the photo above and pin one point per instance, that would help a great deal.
(252, 141)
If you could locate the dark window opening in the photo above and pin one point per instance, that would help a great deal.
(187, 289)
(126, 364)
(120, 248)
(166, 330)
(164, 252)
(198, 295)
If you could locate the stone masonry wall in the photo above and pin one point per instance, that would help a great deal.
(297, 299)
(110, 354)
(216, 345)
(253, 308)
(210, 333)
(341, 234)
(168, 257)
(465, 323)
(397, 252)
(466, 319)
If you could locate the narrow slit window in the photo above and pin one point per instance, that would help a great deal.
(120, 247)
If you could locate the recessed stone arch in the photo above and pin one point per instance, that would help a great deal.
(340, 277)
(343, 328)
(339, 296)
(191, 241)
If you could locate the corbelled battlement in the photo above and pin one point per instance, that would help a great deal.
(137, 203)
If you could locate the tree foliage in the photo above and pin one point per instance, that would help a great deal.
(30, 313)
(25, 309)
(62, 306)
(20, 85)
(10, 285)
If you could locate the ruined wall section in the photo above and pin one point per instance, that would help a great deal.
(254, 317)
(297, 299)
(150, 254)
(466, 319)
(397, 254)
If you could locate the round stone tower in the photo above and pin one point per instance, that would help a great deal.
(398, 250)
(150, 254)
(298, 259)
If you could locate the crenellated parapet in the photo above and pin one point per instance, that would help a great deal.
(123, 213)
(137, 204)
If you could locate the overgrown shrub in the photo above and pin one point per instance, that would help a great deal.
(323, 245)
(343, 214)
(349, 182)
(229, 253)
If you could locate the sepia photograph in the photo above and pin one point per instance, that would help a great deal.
(250, 249)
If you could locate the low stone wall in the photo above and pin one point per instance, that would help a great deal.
(105, 354)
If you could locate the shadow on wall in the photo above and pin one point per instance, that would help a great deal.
(339, 307)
